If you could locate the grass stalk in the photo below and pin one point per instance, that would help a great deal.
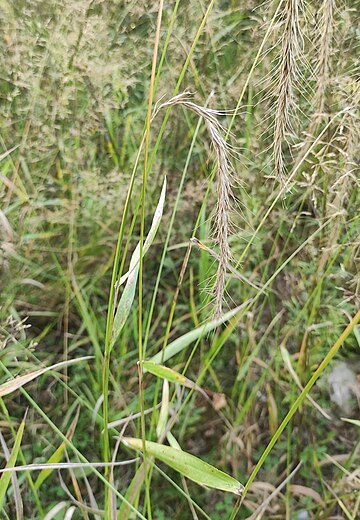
(142, 238)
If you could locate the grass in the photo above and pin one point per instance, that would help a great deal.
(241, 278)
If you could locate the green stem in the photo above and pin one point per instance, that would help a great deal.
(142, 235)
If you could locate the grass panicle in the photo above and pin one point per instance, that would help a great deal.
(224, 182)
(287, 72)
(325, 48)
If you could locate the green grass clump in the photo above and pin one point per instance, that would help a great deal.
(179, 243)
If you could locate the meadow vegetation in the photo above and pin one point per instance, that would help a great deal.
(179, 235)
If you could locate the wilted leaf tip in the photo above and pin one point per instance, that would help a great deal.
(240, 490)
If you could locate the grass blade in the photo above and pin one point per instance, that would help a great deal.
(170, 375)
(55, 510)
(16, 383)
(128, 295)
(184, 341)
(58, 453)
(17, 495)
(188, 465)
(164, 410)
(132, 494)
(351, 421)
(6, 477)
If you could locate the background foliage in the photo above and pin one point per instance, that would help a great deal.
(74, 94)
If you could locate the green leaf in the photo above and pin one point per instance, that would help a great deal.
(57, 455)
(188, 465)
(128, 295)
(132, 493)
(184, 341)
(164, 411)
(170, 375)
(172, 441)
(5, 479)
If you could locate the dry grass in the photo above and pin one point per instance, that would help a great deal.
(326, 29)
(224, 180)
(76, 106)
(291, 42)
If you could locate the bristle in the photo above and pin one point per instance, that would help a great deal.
(287, 75)
(222, 222)
(323, 66)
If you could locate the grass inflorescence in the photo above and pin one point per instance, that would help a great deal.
(179, 253)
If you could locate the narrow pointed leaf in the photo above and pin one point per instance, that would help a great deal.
(16, 488)
(170, 375)
(132, 494)
(6, 477)
(172, 441)
(135, 259)
(55, 510)
(18, 382)
(58, 453)
(128, 295)
(8, 152)
(188, 465)
(351, 421)
(184, 341)
(287, 361)
(164, 410)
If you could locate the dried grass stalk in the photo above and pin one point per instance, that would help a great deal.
(323, 66)
(323, 44)
(340, 190)
(224, 178)
(291, 48)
